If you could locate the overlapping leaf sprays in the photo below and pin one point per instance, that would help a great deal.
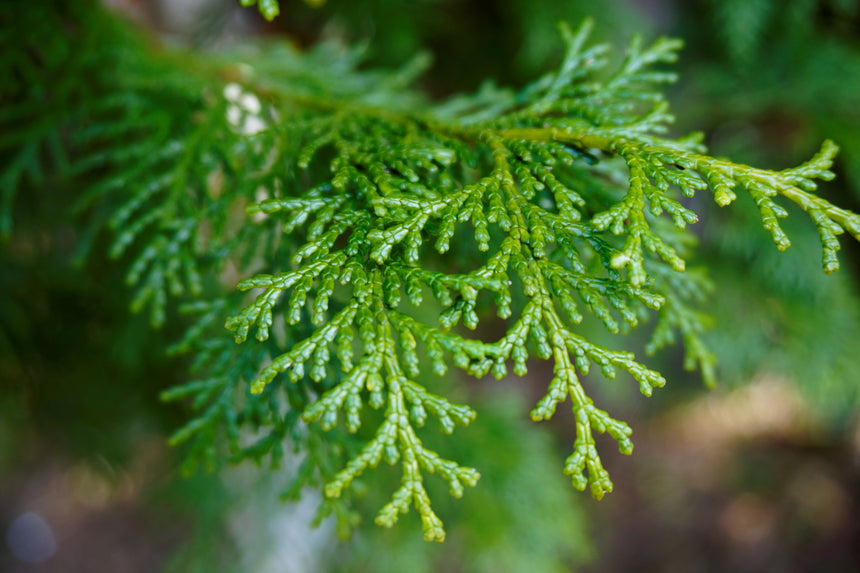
(558, 233)
(357, 210)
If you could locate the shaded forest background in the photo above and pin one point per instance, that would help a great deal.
(762, 474)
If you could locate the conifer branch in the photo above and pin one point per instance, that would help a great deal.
(561, 200)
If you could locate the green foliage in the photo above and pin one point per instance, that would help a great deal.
(270, 8)
(811, 45)
(380, 234)
(516, 521)
(799, 77)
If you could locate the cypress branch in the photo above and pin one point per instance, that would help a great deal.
(561, 200)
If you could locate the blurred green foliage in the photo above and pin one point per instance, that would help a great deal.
(767, 82)
(778, 76)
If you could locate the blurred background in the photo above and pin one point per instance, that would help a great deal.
(761, 474)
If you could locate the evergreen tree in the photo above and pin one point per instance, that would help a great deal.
(381, 241)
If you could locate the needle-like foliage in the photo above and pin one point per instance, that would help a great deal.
(379, 233)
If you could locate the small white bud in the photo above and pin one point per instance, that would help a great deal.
(253, 124)
(232, 91)
(234, 115)
(251, 103)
